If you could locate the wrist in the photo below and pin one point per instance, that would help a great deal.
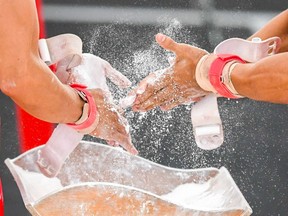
(84, 111)
(89, 118)
(213, 73)
(243, 78)
(227, 78)
(202, 72)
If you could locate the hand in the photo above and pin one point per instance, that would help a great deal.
(93, 72)
(66, 51)
(90, 70)
(174, 85)
(112, 126)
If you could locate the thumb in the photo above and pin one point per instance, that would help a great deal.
(167, 43)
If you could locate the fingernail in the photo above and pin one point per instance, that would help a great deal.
(160, 37)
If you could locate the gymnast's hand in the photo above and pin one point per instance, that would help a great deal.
(174, 85)
(92, 71)
(111, 126)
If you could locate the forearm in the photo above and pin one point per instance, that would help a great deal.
(278, 26)
(38, 91)
(23, 75)
(265, 80)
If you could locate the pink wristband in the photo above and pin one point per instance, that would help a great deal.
(92, 113)
(215, 73)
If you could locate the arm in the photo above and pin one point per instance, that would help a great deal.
(26, 79)
(278, 26)
(265, 80)
(23, 75)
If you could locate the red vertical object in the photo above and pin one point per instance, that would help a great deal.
(33, 132)
(1, 200)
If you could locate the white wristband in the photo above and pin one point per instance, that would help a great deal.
(226, 78)
(202, 75)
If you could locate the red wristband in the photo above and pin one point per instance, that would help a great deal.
(215, 73)
(92, 113)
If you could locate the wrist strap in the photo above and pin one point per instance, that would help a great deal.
(215, 74)
(250, 51)
(85, 125)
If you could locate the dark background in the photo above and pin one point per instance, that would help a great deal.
(255, 148)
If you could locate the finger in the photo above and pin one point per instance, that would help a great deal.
(122, 136)
(198, 99)
(178, 101)
(125, 141)
(127, 101)
(170, 105)
(161, 97)
(141, 87)
(117, 77)
(153, 88)
(167, 43)
(120, 110)
(143, 84)
(112, 143)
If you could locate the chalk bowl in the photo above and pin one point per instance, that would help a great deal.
(101, 180)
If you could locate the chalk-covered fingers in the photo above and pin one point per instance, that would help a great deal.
(171, 95)
(95, 70)
(155, 96)
(154, 82)
(177, 85)
(139, 90)
(183, 99)
(112, 126)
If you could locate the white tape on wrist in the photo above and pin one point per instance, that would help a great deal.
(226, 78)
(202, 75)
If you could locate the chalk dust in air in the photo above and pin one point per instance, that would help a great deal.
(163, 137)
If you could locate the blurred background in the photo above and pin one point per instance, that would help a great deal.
(122, 32)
